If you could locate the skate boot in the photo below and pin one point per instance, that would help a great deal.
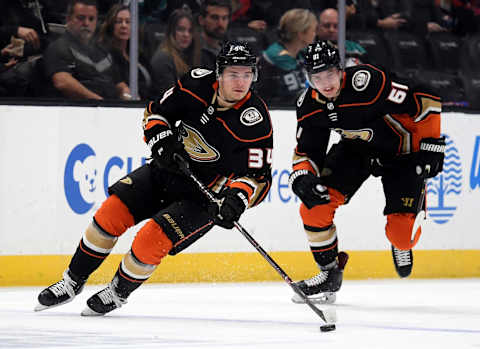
(60, 292)
(104, 301)
(403, 260)
(322, 288)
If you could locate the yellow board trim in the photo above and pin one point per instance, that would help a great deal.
(33, 270)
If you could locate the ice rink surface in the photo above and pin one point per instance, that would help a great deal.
(384, 314)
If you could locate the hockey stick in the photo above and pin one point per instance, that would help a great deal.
(421, 213)
(327, 317)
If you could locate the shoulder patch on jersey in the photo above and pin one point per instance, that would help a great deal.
(360, 80)
(200, 73)
(251, 116)
(301, 98)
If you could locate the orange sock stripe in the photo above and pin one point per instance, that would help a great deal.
(326, 249)
(129, 278)
(89, 253)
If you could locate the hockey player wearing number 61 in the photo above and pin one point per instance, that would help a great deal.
(225, 137)
(389, 128)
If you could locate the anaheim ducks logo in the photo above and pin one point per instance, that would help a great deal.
(197, 147)
(365, 134)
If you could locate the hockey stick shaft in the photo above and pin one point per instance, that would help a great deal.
(185, 169)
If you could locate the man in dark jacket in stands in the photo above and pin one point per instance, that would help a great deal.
(77, 67)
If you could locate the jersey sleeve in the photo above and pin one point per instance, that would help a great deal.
(312, 136)
(256, 180)
(415, 112)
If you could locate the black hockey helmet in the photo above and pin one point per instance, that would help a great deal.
(236, 53)
(320, 56)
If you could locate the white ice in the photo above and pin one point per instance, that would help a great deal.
(384, 314)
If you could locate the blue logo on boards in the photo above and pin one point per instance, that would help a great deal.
(444, 190)
(83, 177)
(80, 179)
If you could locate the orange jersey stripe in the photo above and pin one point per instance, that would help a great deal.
(191, 93)
(310, 114)
(375, 98)
(243, 186)
(242, 139)
(155, 122)
(304, 165)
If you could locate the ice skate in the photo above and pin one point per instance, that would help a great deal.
(61, 292)
(322, 287)
(403, 260)
(104, 301)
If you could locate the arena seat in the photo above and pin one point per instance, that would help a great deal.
(445, 49)
(374, 44)
(408, 52)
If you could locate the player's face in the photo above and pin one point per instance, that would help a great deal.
(183, 33)
(327, 82)
(121, 28)
(235, 82)
(83, 21)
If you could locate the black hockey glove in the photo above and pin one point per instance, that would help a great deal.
(164, 143)
(233, 204)
(431, 156)
(309, 188)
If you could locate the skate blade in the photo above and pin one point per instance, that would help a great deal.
(321, 298)
(40, 307)
(89, 312)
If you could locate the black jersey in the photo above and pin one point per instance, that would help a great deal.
(375, 112)
(227, 146)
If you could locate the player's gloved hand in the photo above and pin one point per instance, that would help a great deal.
(309, 188)
(431, 156)
(164, 143)
(233, 203)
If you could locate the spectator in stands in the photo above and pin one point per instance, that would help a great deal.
(281, 73)
(23, 20)
(327, 29)
(247, 13)
(426, 17)
(114, 35)
(167, 7)
(465, 16)
(23, 36)
(76, 66)
(179, 51)
(380, 15)
(214, 19)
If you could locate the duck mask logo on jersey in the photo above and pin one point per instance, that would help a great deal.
(196, 146)
(251, 116)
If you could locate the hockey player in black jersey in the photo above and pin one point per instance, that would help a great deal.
(226, 138)
(388, 128)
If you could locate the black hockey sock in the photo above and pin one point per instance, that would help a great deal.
(326, 254)
(125, 285)
(85, 261)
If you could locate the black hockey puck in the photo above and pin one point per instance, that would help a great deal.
(328, 328)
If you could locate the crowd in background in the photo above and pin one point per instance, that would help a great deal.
(80, 49)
